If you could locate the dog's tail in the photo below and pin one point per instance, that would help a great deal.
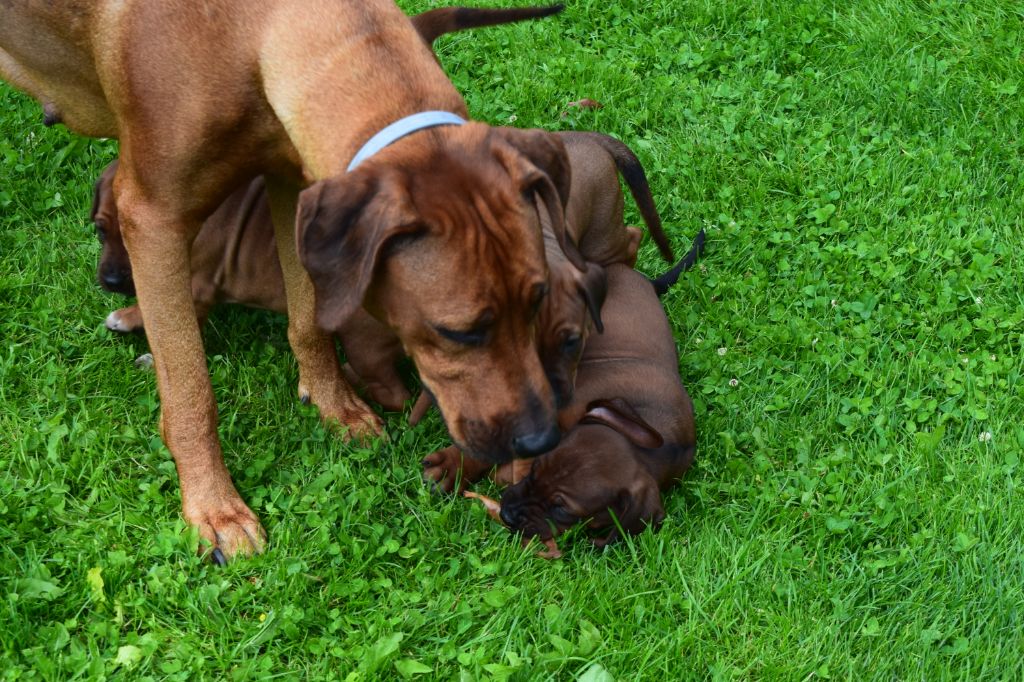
(435, 23)
(632, 171)
(664, 282)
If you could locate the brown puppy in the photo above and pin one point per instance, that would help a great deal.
(594, 219)
(630, 430)
(437, 234)
(234, 259)
(594, 215)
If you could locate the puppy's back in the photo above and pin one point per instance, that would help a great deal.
(636, 358)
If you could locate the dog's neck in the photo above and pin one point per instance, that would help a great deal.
(339, 85)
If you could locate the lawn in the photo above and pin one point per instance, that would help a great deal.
(852, 340)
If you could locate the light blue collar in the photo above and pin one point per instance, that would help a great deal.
(401, 128)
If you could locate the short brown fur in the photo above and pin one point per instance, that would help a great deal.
(629, 431)
(205, 96)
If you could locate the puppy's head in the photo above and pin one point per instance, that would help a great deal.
(439, 237)
(114, 271)
(595, 473)
(572, 306)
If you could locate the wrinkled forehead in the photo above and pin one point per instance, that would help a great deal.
(564, 299)
(479, 235)
(454, 280)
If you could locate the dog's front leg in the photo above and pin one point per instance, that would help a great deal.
(158, 243)
(320, 378)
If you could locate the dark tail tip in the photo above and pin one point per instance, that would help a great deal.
(664, 282)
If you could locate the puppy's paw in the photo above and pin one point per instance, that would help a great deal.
(449, 470)
(443, 469)
(392, 397)
(125, 320)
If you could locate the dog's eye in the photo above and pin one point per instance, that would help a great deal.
(475, 337)
(571, 344)
(477, 334)
(101, 234)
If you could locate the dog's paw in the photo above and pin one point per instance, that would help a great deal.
(443, 470)
(125, 320)
(341, 410)
(353, 425)
(229, 526)
(392, 397)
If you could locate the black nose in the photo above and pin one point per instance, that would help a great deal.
(112, 278)
(536, 443)
(508, 517)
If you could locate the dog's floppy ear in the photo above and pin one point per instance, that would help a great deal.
(639, 506)
(620, 415)
(593, 287)
(543, 169)
(342, 227)
(635, 508)
(103, 191)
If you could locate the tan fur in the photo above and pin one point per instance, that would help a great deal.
(204, 96)
(594, 221)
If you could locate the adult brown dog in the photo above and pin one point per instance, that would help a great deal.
(234, 259)
(630, 430)
(437, 235)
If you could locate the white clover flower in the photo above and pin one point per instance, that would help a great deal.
(977, 300)
(985, 436)
(512, 118)
(723, 351)
(734, 382)
(834, 303)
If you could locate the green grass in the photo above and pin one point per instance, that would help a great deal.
(855, 510)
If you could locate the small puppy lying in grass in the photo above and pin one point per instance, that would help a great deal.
(629, 431)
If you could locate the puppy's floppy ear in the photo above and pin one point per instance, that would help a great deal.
(635, 508)
(593, 287)
(103, 192)
(342, 228)
(620, 415)
(639, 506)
(543, 169)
